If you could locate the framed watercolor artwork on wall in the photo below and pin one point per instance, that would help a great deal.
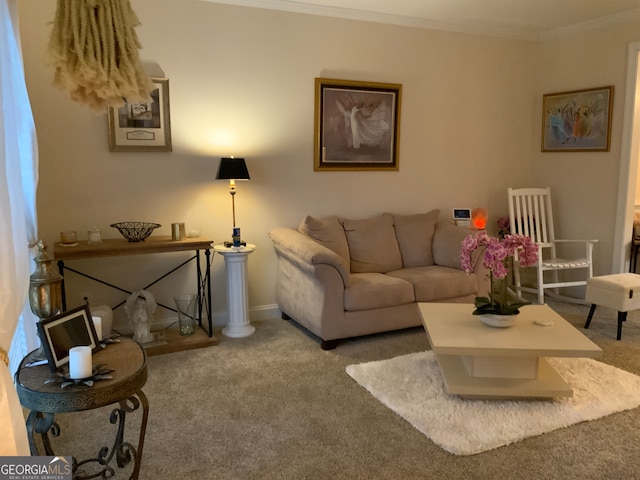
(577, 121)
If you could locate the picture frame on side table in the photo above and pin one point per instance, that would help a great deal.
(69, 329)
(577, 121)
(142, 127)
(356, 125)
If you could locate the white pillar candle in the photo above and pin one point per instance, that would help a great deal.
(80, 362)
(93, 236)
(106, 314)
(97, 322)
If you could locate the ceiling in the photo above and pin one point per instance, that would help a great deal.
(526, 19)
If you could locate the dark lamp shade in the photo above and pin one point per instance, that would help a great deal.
(232, 169)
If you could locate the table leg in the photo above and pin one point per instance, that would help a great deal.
(123, 452)
(207, 254)
(199, 287)
(500, 384)
(41, 423)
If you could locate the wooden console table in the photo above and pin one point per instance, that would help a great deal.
(115, 247)
(129, 363)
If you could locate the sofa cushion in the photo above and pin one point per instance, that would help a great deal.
(327, 231)
(414, 234)
(375, 290)
(436, 283)
(447, 240)
(372, 244)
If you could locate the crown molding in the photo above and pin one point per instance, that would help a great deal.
(474, 28)
(591, 25)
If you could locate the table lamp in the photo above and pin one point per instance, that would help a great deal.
(233, 169)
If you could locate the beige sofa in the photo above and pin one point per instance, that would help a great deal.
(342, 278)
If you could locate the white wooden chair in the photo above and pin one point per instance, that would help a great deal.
(531, 214)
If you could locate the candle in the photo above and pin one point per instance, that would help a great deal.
(97, 322)
(106, 314)
(69, 237)
(93, 236)
(80, 362)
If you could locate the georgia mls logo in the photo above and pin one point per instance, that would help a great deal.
(59, 466)
(35, 468)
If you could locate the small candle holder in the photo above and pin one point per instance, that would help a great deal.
(93, 236)
(69, 238)
(99, 372)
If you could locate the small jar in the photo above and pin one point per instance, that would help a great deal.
(93, 236)
(69, 237)
(177, 231)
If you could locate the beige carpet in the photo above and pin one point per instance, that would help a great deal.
(413, 387)
(276, 406)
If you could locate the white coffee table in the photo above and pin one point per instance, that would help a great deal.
(479, 361)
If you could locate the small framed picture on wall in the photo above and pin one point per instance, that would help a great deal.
(142, 127)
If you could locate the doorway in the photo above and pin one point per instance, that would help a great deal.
(629, 157)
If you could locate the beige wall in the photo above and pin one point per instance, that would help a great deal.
(241, 83)
(587, 183)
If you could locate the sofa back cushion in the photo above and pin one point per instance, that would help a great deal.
(372, 244)
(415, 235)
(447, 241)
(327, 231)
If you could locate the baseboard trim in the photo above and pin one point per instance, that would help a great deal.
(264, 312)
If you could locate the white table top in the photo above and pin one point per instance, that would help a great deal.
(220, 248)
(453, 330)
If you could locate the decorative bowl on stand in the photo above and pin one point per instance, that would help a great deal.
(135, 231)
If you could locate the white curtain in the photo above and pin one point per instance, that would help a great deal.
(18, 181)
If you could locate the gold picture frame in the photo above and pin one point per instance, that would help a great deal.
(142, 127)
(356, 125)
(577, 121)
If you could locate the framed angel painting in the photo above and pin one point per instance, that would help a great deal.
(356, 125)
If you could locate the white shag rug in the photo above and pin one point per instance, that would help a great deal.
(412, 386)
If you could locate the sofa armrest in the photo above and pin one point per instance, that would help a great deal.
(304, 252)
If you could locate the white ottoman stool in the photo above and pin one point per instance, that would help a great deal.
(620, 291)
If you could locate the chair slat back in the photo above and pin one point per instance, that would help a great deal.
(530, 214)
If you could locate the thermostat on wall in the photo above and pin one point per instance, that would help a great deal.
(462, 217)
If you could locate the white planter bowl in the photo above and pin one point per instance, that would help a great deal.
(499, 321)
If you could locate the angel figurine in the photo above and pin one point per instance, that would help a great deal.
(140, 307)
